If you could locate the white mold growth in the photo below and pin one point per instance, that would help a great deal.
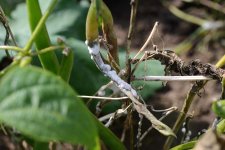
(107, 70)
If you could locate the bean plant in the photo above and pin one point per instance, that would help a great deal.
(39, 97)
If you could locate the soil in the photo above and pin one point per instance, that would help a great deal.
(170, 33)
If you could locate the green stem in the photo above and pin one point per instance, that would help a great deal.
(48, 49)
(187, 103)
(221, 62)
(40, 24)
(14, 48)
(40, 35)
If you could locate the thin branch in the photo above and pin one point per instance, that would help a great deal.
(134, 5)
(5, 23)
(48, 49)
(8, 30)
(163, 110)
(148, 40)
(103, 98)
(14, 48)
(173, 78)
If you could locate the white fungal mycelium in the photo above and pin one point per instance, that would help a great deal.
(107, 70)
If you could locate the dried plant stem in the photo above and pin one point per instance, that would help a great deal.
(9, 33)
(173, 78)
(4, 21)
(148, 40)
(134, 5)
(103, 98)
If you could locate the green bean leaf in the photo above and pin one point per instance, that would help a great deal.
(42, 106)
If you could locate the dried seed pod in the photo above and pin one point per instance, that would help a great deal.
(108, 31)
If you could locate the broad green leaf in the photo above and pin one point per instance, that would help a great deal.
(42, 106)
(67, 20)
(186, 146)
(219, 108)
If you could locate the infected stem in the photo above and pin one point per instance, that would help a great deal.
(93, 47)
